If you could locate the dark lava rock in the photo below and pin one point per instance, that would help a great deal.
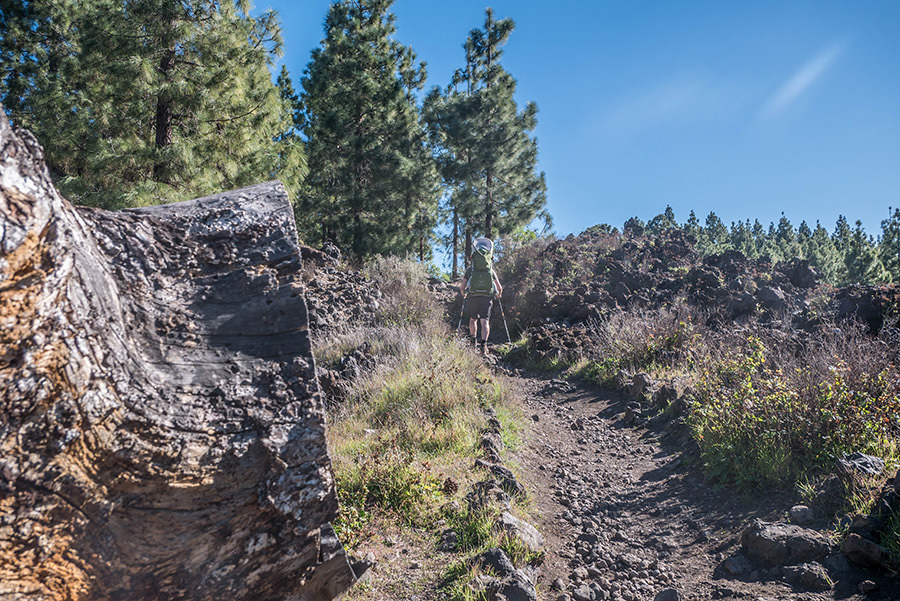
(782, 544)
(864, 552)
(860, 464)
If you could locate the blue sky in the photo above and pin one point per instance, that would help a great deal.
(747, 109)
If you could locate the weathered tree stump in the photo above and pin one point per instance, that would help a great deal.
(162, 434)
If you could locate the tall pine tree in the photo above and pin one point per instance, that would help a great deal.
(141, 101)
(485, 144)
(372, 187)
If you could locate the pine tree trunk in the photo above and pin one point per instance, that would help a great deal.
(163, 435)
(163, 121)
(467, 259)
(454, 270)
(489, 208)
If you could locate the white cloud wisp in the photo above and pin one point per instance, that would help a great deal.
(801, 81)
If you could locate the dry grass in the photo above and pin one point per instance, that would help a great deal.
(404, 438)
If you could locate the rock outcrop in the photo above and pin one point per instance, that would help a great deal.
(162, 434)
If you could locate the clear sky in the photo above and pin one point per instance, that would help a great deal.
(747, 109)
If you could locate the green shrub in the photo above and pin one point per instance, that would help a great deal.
(760, 421)
(890, 539)
(406, 298)
(391, 480)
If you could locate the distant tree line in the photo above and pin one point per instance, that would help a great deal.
(846, 255)
(145, 101)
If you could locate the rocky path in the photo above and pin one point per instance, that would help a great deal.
(625, 518)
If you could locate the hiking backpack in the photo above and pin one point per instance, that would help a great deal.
(482, 278)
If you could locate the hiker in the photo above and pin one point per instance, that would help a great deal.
(481, 284)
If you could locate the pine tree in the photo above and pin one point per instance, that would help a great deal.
(741, 239)
(692, 226)
(785, 245)
(715, 235)
(372, 187)
(889, 245)
(759, 237)
(662, 222)
(824, 256)
(145, 101)
(484, 143)
(862, 261)
(841, 235)
(804, 238)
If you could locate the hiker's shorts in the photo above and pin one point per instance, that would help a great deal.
(480, 307)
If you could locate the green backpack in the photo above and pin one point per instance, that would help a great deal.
(482, 279)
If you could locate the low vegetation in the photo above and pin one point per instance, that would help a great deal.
(771, 399)
(405, 437)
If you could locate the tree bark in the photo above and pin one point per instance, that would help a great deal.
(454, 270)
(163, 121)
(162, 434)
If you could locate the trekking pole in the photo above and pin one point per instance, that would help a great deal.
(462, 308)
(503, 315)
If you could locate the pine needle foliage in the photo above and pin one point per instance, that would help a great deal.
(484, 143)
(145, 101)
(372, 188)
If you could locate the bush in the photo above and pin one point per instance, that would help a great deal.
(636, 340)
(402, 281)
(772, 411)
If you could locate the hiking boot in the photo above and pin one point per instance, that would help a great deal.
(482, 346)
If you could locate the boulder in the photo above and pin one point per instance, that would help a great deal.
(163, 430)
(860, 464)
(800, 273)
(508, 583)
(782, 544)
(802, 515)
(864, 552)
(504, 476)
(812, 576)
(742, 304)
(640, 386)
(771, 298)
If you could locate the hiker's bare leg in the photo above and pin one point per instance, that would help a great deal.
(485, 329)
(473, 326)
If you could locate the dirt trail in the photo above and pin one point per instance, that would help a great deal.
(622, 513)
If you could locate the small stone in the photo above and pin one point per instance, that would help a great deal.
(737, 565)
(668, 594)
(449, 541)
(867, 586)
(580, 573)
(802, 515)
(558, 585)
(583, 593)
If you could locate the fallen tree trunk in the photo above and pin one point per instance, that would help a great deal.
(161, 428)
